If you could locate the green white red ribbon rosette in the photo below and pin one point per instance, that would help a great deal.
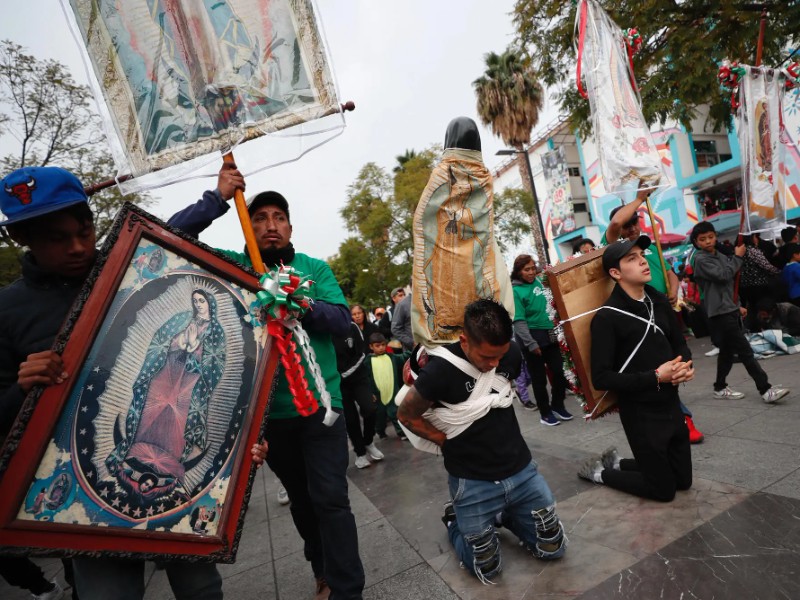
(284, 298)
(730, 72)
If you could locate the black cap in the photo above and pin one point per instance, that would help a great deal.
(268, 199)
(614, 252)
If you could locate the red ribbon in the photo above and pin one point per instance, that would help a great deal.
(581, 40)
(303, 398)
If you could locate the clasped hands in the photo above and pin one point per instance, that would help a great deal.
(676, 371)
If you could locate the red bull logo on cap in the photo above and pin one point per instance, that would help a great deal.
(22, 191)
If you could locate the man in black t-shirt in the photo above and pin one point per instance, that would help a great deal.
(461, 401)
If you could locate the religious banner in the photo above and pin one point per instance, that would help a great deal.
(628, 155)
(181, 79)
(144, 451)
(456, 258)
(764, 146)
(556, 177)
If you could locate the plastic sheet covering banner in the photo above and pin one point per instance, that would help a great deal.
(627, 151)
(764, 146)
(184, 78)
(556, 176)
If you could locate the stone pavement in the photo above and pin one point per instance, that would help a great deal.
(735, 534)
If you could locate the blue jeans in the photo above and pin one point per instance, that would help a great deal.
(528, 510)
(311, 460)
(105, 578)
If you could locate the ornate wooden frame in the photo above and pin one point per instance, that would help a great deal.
(37, 427)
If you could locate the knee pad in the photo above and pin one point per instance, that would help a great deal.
(486, 561)
(551, 540)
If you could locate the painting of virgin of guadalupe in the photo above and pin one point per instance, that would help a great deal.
(144, 451)
(165, 430)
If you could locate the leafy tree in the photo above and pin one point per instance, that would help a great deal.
(510, 99)
(512, 223)
(402, 159)
(379, 213)
(49, 119)
(683, 44)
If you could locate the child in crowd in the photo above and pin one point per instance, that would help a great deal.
(791, 272)
(715, 273)
(386, 374)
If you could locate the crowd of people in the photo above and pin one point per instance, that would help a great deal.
(459, 397)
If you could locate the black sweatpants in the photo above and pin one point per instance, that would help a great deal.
(357, 391)
(662, 458)
(728, 328)
(551, 358)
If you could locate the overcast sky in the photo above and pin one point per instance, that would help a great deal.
(408, 66)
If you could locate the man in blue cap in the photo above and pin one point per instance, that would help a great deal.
(47, 211)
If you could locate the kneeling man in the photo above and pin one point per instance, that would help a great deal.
(461, 401)
(638, 351)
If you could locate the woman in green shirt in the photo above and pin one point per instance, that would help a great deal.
(533, 331)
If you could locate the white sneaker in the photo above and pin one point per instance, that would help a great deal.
(730, 394)
(283, 496)
(774, 394)
(362, 462)
(55, 594)
(374, 453)
(713, 352)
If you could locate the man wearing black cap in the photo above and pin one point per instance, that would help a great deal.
(308, 456)
(639, 353)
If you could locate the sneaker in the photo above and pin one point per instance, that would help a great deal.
(729, 394)
(713, 352)
(449, 516)
(529, 405)
(695, 436)
(549, 420)
(374, 453)
(774, 394)
(561, 414)
(591, 469)
(322, 591)
(55, 594)
(283, 496)
(610, 458)
(362, 462)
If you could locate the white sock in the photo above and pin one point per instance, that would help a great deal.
(598, 476)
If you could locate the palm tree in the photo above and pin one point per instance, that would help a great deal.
(402, 159)
(510, 98)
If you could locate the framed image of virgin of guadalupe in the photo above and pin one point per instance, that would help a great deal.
(143, 451)
(580, 286)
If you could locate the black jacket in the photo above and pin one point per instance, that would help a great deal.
(350, 356)
(32, 310)
(616, 335)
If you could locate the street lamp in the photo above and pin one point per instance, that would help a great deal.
(509, 152)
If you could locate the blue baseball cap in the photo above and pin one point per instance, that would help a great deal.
(35, 191)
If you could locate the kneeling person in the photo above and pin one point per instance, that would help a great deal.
(461, 401)
(638, 351)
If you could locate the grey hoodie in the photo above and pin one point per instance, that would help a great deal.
(714, 274)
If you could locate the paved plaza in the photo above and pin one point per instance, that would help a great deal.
(735, 534)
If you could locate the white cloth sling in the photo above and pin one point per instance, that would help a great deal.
(491, 391)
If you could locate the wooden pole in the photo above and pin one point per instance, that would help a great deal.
(657, 238)
(247, 226)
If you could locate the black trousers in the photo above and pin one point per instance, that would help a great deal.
(550, 358)
(357, 397)
(311, 459)
(728, 328)
(662, 458)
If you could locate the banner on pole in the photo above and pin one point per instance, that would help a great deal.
(556, 176)
(182, 79)
(764, 146)
(628, 154)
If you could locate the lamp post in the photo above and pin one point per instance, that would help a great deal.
(544, 248)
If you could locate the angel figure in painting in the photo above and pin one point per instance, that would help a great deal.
(165, 432)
